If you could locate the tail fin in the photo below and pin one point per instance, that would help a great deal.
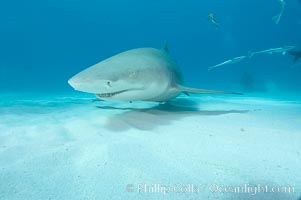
(202, 91)
(296, 54)
(212, 67)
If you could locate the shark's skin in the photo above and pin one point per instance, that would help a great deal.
(143, 74)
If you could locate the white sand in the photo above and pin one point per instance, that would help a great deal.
(67, 147)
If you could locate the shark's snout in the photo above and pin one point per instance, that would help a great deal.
(80, 85)
(73, 82)
(90, 85)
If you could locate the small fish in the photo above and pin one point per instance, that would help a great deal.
(231, 61)
(282, 50)
(277, 18)
(213, 20)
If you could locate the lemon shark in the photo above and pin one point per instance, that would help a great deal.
(143, 74)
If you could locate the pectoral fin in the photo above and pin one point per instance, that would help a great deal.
(202, 91)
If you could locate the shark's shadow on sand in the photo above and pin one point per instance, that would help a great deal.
(159, 115)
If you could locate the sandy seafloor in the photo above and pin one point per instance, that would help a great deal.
(66, 146)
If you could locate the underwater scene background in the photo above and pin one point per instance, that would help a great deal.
(57, 143)
(44, 43)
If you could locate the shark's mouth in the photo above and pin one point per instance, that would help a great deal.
(102, 95)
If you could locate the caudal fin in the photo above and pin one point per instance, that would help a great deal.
(296, 54)
(202, 91)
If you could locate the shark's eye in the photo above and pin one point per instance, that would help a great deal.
(109, 83)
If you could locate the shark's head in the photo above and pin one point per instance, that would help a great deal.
(123, 77)
(107, 83)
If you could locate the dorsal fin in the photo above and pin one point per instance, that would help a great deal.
(165, 47)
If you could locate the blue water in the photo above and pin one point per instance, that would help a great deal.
(45, 43)
(57, 143)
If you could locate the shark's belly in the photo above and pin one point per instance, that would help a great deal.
(169, 93)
